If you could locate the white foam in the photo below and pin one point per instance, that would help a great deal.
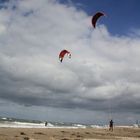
(21, 125)
(98, 126)
(79, 126)
(4, 118)
(35, 125)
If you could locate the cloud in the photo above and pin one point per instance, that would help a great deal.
(104, 68)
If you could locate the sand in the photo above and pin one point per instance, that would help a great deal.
(69, 134)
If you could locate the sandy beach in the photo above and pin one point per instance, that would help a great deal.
(69, 134)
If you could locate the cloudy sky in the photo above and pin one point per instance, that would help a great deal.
(100, 81)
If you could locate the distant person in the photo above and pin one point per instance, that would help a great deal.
(46, 123)
(111, 125)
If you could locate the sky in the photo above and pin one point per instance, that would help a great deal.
(100, 81)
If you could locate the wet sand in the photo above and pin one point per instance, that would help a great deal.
(69, 134)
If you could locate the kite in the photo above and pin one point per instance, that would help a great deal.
(63, 53)
(96, 17)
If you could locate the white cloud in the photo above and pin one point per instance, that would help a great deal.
(102, 66)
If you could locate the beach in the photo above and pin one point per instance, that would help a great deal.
(119, 133)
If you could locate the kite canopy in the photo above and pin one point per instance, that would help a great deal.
(63, 53)
(96, 17)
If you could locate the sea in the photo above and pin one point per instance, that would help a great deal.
(24, 123)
